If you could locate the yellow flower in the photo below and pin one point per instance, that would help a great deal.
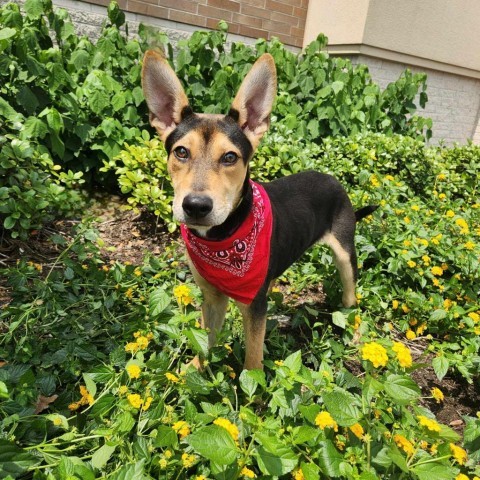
(410, 334)
(183, 294)
(426, 259)
(133, 371)
(135, 400)
(324, 420)
(137, 272)
(441, 176)
(395, 304)
(147, 403)
(278, 363)
(458, 453)
(357, 430)
(122, 390)
(163, 463)
(298, 474)
(182, 428)
(437, 271)
(460, 222)
(415, 208)
(407, 243)
(200, 477)
(461, 476)
(406, 220)
(246, 472)
(474, 316)
(358, 322)
(437, 394)
(469, 245)
(411, 264)
(404, 444)
(230, 427)
(173, 378)
(132, 347)
(421, 329)
(142, 342)
(404, 356)
(429, 423)
(375, 353)
(442, 196)
(188, 460)
(168, 454)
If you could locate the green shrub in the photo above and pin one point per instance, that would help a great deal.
(142, 172)
(33, 190)
(318, 95)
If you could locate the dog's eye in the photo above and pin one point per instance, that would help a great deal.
(181, 153)
(229, 158)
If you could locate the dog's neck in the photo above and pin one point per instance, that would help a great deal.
(235, 219)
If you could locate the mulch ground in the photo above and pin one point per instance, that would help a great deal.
(130, 235)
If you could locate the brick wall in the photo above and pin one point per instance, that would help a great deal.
(284, 19)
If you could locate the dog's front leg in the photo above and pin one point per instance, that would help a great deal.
(254, 325)
(214, 308)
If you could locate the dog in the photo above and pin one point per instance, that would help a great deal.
(241, 235)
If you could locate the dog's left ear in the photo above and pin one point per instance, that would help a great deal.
(253, 103)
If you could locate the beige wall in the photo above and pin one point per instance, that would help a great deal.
(446, 32)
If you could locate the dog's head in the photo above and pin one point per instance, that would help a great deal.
(208, 154)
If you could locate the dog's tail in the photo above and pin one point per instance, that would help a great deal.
(364, 212)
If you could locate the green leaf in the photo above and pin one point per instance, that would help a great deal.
(215, 443)
(198, 340)
(401, 389)
(14, 460)
(158, 301)
(329, 459)
(125, 422)
(339, 319)
(434, 471)
(277, 463)
(438, 315)
(248, 383)
(9, 223)
(342, 406)
(294, 361)
(102, 455)
(134, 471)
(6, 33)
(440, 366)
(90, 384)
(33, 8)
(337, 86)
(195, 382)
(166, 437)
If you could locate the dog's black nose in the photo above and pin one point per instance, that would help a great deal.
(197, 206)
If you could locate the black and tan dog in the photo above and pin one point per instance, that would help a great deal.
(241, 235)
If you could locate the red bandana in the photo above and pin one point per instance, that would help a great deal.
(238, 265)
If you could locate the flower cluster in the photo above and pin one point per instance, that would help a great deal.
(141, 342)
(183, 294)
(375, 353)
(230, 427)
(87, 399)
(404, 356)
(324, 420)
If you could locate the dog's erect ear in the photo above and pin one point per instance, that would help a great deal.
(254, 100)
(163, 92)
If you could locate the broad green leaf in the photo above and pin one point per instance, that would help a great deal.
(434, 471)
(248, 383)
(90, 384)
(437, 315)
(440, 366)
(134, 471)
(329, 459)
(14, 460)
(215, 443)
(102, 455)
(294, 361)
(283, 461)
(34, 8)
(339, 319)
(310, 471)
(337, 86)
(402, 389)
(198, 340)
(195, 382)
(6, 33)
(125, 422)
(342, 406)
(158, 301)
(166, 437)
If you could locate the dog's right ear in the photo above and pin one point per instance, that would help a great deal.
(164, 94)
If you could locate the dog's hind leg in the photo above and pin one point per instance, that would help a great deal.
(346, 262)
